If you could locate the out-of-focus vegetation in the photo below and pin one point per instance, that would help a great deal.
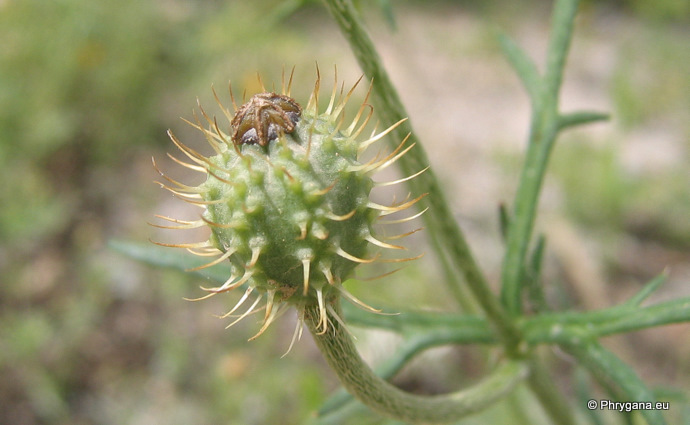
(87, 89)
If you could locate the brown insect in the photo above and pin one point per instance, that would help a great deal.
(265, 117)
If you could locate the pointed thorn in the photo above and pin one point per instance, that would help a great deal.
(232, 97)
(225, 110)
(377, 242)
(255, 257)
(386, 210)
(184, 224)
(239, 303)
(302, 231)
(334, 314)
(249, 311)
(394, 237)
(296, 336)
(229, 285)
(324, 191)
(306, 264)
(289, 86)
(219, 225)
(390, 159)
(403, 220)
(207, 252)
(198, 299)
(380, 276)
(218, 260)
(323, 317)
(356, 301)
(329, 275)
(189, 152)
(182, 245)
(331, 102)
(344, 217)
(270, 294)
(375, 138)
(190, 189)
(187, 164)
(381, 184)
(275, 313)
(400, 260)
(350, 257)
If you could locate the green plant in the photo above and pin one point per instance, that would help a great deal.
(499, 320)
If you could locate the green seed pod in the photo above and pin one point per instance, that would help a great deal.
(287, 201)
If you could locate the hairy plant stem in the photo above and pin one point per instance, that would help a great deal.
(446, 237)
(341, 354)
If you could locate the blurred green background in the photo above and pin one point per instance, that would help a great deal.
(88, 89)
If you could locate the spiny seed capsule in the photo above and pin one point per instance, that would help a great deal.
(287, 202)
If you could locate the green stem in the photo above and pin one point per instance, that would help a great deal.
(406, 352)
(447, 238)
(609, 369)
(571, 327)
(549, 395)
(545, 328)
(339, 351)
(544, 129)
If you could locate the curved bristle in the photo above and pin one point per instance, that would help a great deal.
(183, 224)
(255, 257)
(226, 112)
(386, 210)
(296, 335)
(356, 301)
(249, 311)
(402, 180)
(400, 236)
(190, 189)
(182, 245)
(341, 105)
(400, 260)
(232, 97)
(239, 303)
(334, 314)
(379, 276)
(377, 242)
(331, 102)
(351, 257)
(218, 260)
(230, 284)
(390, 159)
(187, 164)
(375, 138)
(403, 220)
(343, 217)
(327, 272)
(220, 225)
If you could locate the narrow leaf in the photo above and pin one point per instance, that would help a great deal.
(579, 118)
(503, 221)
(535, 290)
(584, 393)
(387, 10)
(523, 66)
(647, 290)
(171, 258)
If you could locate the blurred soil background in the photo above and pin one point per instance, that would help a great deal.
(88, 89)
